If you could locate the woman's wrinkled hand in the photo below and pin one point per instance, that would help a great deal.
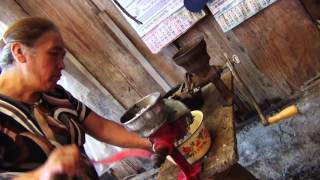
(63, 160)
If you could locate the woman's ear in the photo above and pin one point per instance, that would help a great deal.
(18, 52)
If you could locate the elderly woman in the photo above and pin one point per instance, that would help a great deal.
(41, 125)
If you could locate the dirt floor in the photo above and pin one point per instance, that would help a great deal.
(286, 150)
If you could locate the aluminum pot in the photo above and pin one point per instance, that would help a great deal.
(146, 116)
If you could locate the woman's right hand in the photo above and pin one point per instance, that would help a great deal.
(62, 160)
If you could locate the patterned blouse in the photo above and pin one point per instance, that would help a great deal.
(24, 144)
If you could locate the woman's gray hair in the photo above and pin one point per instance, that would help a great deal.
(6, 57)
(26, 31)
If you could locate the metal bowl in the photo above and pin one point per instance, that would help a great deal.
(146, 116)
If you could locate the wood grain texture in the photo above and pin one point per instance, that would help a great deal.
(91, 43)
(98, 98)
(162, 61)
(10, 11)
(123, 39)
(284, 44)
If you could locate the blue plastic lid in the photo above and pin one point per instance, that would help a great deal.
(195, 5)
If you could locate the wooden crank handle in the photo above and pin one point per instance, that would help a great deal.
(284, 114)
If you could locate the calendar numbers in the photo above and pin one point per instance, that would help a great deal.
(230, 13)
(170, 29)
(163, 21)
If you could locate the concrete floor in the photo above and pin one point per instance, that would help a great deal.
(286, 150)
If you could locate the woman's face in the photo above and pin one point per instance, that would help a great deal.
(45, 61)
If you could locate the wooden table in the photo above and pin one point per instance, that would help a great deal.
(221, 160)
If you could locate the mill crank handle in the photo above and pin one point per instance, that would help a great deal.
(250, 96)
(283, 114)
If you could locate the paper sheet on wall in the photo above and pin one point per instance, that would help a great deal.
(230, 13)
(163, 21)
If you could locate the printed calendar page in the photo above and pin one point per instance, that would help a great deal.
(230, 13)
(162, 21)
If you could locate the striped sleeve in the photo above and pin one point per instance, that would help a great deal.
(82, 110)
(8, 175)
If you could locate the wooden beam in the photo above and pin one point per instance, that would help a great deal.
(162, 61)
(69, 57)
(10, 11)
(133, 50)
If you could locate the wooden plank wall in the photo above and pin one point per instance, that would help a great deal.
(278, 48)
(276, 58)
(10, 11)
(284, 44)
(217, 43)
(161, 62)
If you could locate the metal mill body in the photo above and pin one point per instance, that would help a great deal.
(164, 122)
